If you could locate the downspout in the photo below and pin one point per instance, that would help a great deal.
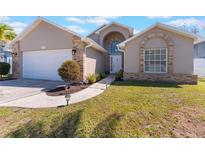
(87, 46)
(123, 51)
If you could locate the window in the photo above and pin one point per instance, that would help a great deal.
(112, 48)
(155, 60)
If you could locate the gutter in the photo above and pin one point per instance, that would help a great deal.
(123, 52)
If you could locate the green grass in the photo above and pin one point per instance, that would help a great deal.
(126, 109)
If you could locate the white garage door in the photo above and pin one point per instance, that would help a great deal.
(44, 64)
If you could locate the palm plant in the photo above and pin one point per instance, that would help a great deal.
(6, 33)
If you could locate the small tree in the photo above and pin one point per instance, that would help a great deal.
(6, 33)
(69, 71)
(4, 68)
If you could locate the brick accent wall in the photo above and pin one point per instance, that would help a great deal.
(175, 78)
(80, 55)
(16, 66)
(169, 76)
(170, 49)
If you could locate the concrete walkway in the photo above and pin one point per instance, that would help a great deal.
(43, 101)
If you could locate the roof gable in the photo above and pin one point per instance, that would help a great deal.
(40, 19)
(98, 30)
(35, 24)
(163, 27)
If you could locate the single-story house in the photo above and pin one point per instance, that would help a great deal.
(5, 55)
(159, 53)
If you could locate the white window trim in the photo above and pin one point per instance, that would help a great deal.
(166, 61)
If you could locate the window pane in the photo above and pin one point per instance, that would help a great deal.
(163, 57)
(157, 63)
(146, 51)
(155, 60)
(113, 46)
(157, 57)
(151, 52)
(163, 66)
(163, 51)
(147, 63)
(151, 69)
(152, 63)
(146, 57)
(152, 57)
(158, 51)
(146, 69)
(163, 69)
(157, 69)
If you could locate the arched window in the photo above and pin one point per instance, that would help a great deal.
(113, 46)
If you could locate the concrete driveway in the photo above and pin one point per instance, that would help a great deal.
(16, 89)
(29, 93)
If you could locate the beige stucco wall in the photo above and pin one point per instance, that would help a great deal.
(94, 61)
(94, 37)
(48, 36)
(183, 52)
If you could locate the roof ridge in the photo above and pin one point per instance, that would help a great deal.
(96, 30)
(162, 25)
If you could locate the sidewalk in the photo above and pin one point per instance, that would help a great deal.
(43, 101)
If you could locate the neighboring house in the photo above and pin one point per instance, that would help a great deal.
(199, 49)
(159, 53)
(5, 55)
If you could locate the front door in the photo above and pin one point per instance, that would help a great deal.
(115, 63)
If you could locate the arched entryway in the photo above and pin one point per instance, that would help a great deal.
(115, 57)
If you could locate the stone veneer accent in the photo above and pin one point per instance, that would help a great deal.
(175, 78)
(169, 76)
(80, 55)
(16, 66)
(170, 50)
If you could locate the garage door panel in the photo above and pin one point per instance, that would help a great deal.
(44, 64)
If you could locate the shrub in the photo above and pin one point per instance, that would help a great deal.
(69, 71)
(103, 75)
(91, 78)
(107, 72)
(119, 75)
(4, 68)
(98, 76)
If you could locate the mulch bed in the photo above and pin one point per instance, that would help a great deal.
(59, 91)
(5, 79)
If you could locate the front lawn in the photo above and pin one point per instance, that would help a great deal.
(126, 109)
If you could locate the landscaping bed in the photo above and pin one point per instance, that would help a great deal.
(59, 91)
(5, 79)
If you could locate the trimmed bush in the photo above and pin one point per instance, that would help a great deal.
(69, 71)
(4, 68)
(107, 72)
(119, 75)
(91, 78)
(98, 76)
(103, 75)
